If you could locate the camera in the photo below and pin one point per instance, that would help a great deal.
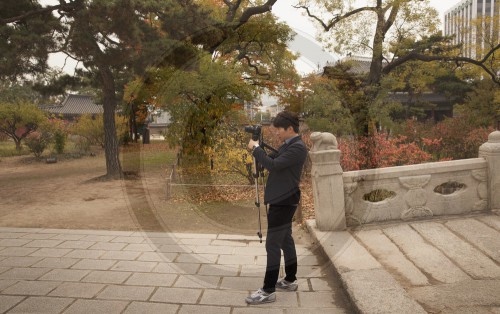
(255, 130)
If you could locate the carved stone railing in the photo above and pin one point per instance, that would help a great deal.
(414, 192)
(326, 175)
(401, 193)
(490, 151)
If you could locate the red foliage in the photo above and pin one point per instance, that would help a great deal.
(453, 138)
(59, 124)
(21, 131)
(383, 151)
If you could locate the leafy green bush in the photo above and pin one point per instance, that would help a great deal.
(18, 119)
(59, 141)
(59, 130)
(38, 141)
(82, 144)
(90, 128)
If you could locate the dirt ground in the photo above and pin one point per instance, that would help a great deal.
(67, 194)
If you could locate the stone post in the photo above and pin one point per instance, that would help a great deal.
(328, 185)
(491, 152)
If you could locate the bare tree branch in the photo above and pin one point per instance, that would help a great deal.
(391, 18)
(415, 55)
(255, 67)
(337, 18)
(231, 9)
(231, 25)
(249, 12)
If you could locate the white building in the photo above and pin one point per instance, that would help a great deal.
(475, 24)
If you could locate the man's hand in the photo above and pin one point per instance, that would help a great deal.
(252, 143)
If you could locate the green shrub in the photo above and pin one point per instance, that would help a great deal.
(91, 127)
(82, 144)
(37, 142)
(59, 130)
(59, 141)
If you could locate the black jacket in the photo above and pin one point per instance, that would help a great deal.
(285, 169)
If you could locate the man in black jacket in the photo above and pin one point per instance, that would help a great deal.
(282, 193)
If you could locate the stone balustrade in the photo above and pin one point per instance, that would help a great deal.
(401, 193)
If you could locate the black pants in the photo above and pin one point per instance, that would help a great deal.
(279, 237)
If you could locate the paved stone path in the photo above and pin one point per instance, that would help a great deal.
(82, 271)
(435, 266)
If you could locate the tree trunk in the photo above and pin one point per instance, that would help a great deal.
(111, 148)
(18, 144)
(372, 89)
(377, 54)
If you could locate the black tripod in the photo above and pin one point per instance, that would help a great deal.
(258, 171)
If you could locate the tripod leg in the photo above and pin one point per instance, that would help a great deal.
(257, 203)
(257, 197)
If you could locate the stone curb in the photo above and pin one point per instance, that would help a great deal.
(370, 288)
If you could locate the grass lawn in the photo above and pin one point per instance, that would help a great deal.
(8, 149)
(150, 157)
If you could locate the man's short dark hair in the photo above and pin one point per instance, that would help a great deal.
(286, 119)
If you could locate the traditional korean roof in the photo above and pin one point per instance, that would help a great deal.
(76, 105)
(358, 65)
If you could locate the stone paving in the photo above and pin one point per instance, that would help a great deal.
(86, 271)
(435, 266)
(444, 266)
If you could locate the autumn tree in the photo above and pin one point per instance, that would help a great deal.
(138, 98)
(399, 36)
(482, 104)
(324, 104)
(91, 129)
(393, 32)
(414, 79)
(371, 28)
(113, 40)
(198, 100)
(246, 60)
(116, 39)
(259, 51)
(228, 153)
(19, 119)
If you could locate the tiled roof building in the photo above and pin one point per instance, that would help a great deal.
(76, 105)
(357, 65)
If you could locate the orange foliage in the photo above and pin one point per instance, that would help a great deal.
(384, 151)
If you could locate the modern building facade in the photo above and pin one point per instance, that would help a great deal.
(475, 24)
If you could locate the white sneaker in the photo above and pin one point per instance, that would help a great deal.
(285, 285)
(260, 297)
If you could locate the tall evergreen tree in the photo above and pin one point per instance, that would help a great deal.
(26, 37)
(116, 39)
